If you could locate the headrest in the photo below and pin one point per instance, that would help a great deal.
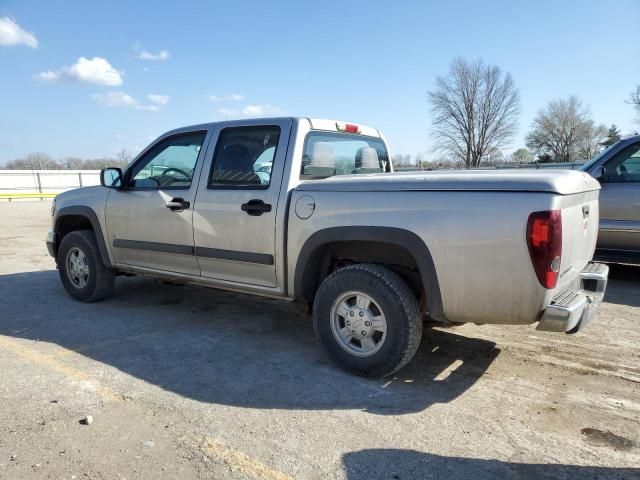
(367, 157)
(235, 157)
(322, 155)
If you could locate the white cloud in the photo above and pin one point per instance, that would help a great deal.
(143, 54)
(48, 76)
(158, 99)
(115, 99)
(161, 55)
(233, 97)
(12, 34)
(263, 110)
(97, 70)
(122, 99)
(260, 110)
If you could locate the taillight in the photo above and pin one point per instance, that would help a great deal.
(544, 238)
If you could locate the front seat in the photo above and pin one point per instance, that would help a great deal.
(234, 166)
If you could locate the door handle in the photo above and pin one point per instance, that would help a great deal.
(178, 204)
(255, 207)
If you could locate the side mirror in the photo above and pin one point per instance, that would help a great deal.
(598, 173)
(111, 177)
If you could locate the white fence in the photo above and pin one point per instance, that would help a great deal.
(20, 183)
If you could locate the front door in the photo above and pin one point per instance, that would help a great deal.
(150, 222)
(235, 210)
(620, 201)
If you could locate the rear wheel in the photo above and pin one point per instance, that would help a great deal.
(367, 319)
(82, 272)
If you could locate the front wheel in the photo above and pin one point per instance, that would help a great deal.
(82, 272)
(367, 319)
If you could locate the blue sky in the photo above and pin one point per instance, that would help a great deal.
(368, 62)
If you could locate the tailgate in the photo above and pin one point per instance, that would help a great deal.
(580, 218)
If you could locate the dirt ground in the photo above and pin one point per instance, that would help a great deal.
(185, 382)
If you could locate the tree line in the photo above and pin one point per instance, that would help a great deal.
(42, 161)
(475, 111)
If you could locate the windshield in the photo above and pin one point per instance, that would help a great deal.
(588, 165)
(328, 154)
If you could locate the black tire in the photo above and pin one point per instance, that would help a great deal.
(396, 300)
(99, 284)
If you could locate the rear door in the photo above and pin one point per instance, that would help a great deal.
(235, 210)
(620, 201)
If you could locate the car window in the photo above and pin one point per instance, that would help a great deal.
(624, 167)
(328, 154)
(170, 164)
(243, 157)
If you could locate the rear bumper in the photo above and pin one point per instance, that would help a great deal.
(573, 309)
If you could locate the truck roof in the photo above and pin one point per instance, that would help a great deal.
(314, 123)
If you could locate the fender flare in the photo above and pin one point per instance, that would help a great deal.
(397, 236)
(89, 214)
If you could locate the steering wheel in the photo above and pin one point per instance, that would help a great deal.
(173, 169)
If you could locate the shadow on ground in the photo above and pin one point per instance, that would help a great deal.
(226, 348)
(409, 464)
(623, 285)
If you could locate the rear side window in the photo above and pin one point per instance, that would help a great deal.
(244, 157)
(327, 154)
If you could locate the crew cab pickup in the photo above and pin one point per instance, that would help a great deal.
(311, 211)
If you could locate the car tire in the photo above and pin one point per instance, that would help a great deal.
(367, 319)
(82, 271)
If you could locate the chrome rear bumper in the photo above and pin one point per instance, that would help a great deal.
(573, 309)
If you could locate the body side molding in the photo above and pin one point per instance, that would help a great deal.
(234, 255)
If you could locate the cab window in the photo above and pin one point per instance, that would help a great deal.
(244, 157)
(170, 164)
(329, 154)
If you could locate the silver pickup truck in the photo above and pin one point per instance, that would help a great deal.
(310, 211)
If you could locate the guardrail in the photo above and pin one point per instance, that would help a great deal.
(29, 184)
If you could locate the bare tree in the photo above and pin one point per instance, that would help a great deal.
(492, 158)
(521, 156)
(559, 130)
(73, 163)
(475, 110)
(42, 161)
(123, 156)
(33, 161)
(634, 99)
(591, 140)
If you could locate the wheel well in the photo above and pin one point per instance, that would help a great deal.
(329, 257)
(69, 223)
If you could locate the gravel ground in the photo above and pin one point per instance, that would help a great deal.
(185, 382)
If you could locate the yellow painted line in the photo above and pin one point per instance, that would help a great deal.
(27, 195)
(241, 462)
(49, 362)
